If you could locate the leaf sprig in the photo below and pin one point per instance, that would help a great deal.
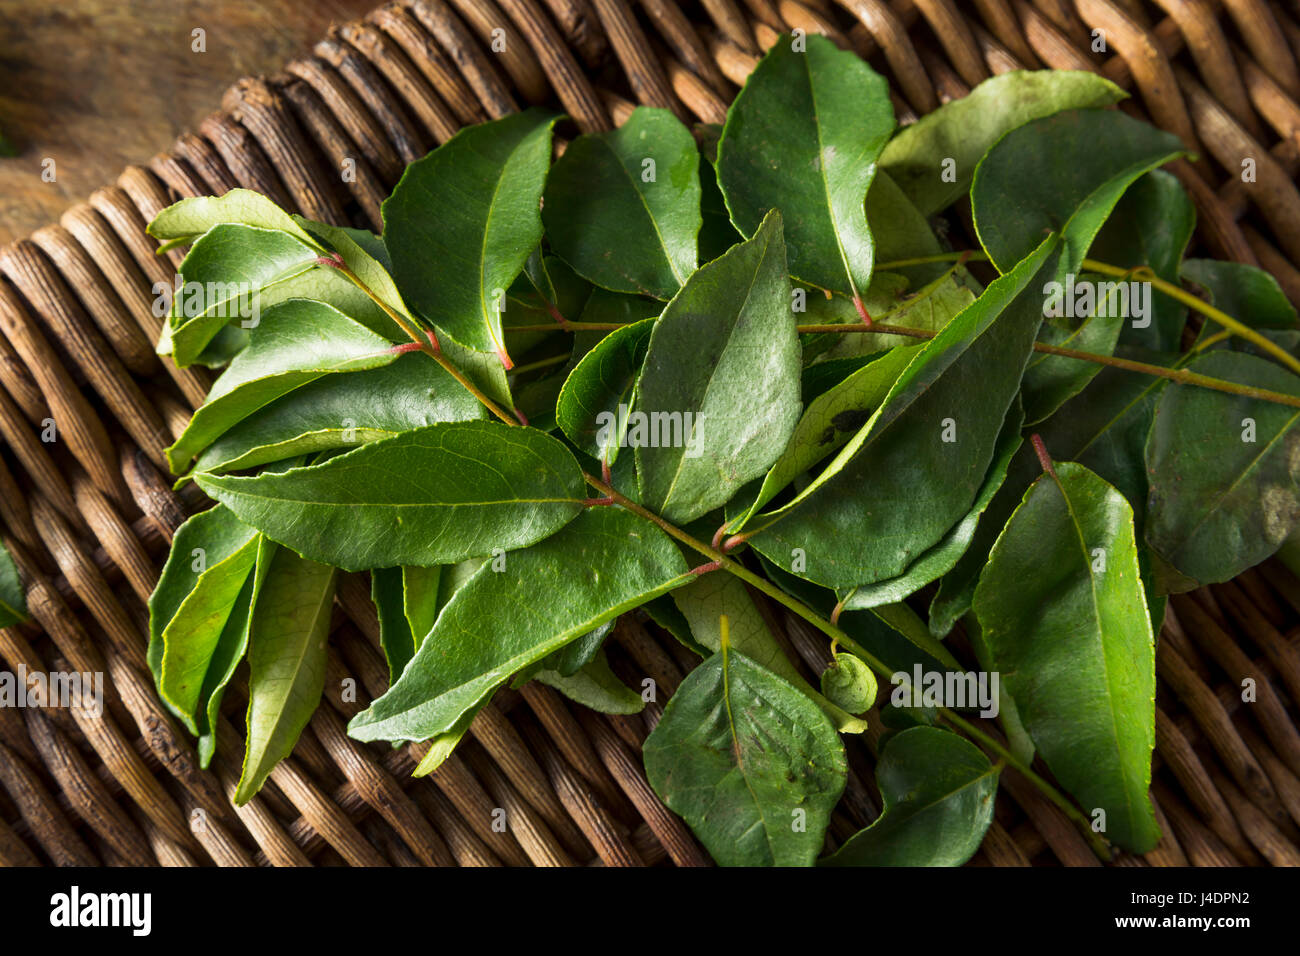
(687, 359)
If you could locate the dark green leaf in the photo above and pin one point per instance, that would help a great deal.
(1245, 292)
(604, 562)
(962, 131)
(803, 137)
(430, 496)
(287, 639)
(725, 353)
(749, 762)
(13, 599)
(1065, 621)
(938, 791)
(589, 409)
(1223, 470)
(623, 207)
(1052, 380)
(1050, 175)
(463, 220)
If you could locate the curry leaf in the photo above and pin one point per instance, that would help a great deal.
(623, 207)
(1063, 616)
(1052, 380)
(749, 762)
(719, 390)
(13, 599)
(871, 511)
(429, 496)
(604, 562)
(191, 218)
(485, 183)
(955, 136)
(938, 791)
(803, 137)
(296, 342)
(1026, 187)
(1224, 470)
(594, 685)
(593, 404)
(287, 637)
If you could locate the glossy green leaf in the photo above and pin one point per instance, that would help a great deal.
(726, 354)
(1052, 380)
(938, 791)
(287, 638)
(396, 637)
(295, 343)
(963, 130)
(594, 685)
(226, 657)
(623, 207)
(593, 404)
(943, 556)
(191, 218)
(430, 496)
(1224, 470)
(1151, 226)
(1245, 292)
(226, 274)
(211, 557)
(463, 220)
(604, 562)
(875, 506)
(13, 599)
(803, 137)
(339, 411)
(703, 604)
(749, 762)
(1065, 621)
(1049, 175)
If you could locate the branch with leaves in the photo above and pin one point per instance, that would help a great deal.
(666, 369)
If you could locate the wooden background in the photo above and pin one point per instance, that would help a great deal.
(98, 84)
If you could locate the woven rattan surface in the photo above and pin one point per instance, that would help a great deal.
(89, 516)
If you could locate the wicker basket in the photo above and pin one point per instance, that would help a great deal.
(89, 517)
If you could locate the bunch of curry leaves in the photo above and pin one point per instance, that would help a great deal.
(844, 412)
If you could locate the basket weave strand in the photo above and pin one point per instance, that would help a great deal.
(89, 517)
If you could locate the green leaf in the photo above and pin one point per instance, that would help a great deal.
(1245, 292)
(435, 495)
(594, 685)
(593, 404)
(726, 354)
(1064, 618)
(749, 762)
(191, 218)
(875, 507)
(803, 136)
(463, 221)
(210, 559)
(717, 234)
(623, 207)
(287, 638)
(406, 600)
(829, 421)
(229, 651)
(13, 599)
(606, 561)
(1025, 187)
(1223, 469)
(943, 556)
(849, 683)
(338, 411)
(1104, 428)
(963, 130)
(938, 791)
(1052, 380)
(704, 602)
(296, 342)
(227, 275)
(1151, 226)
